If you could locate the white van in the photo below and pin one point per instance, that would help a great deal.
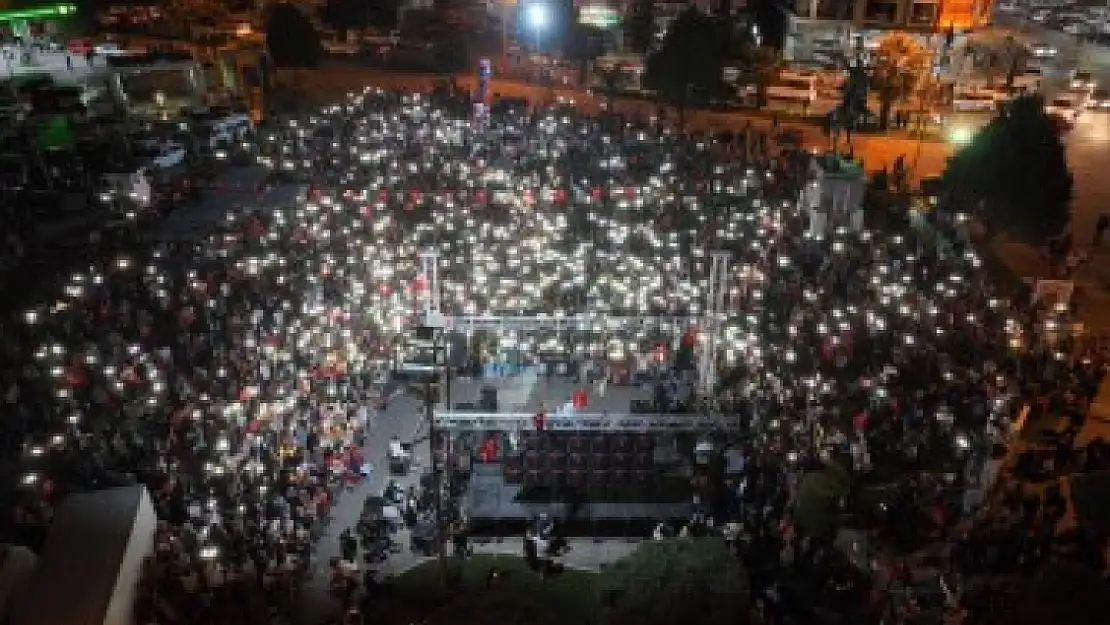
(792, 87)
(974, 102)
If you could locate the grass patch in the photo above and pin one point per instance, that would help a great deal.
(519, 596)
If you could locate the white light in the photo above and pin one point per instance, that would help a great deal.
(538, 16)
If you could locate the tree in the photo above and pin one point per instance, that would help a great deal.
(761, 68)
(343, 15)
(688, 65)
(88, 14)
(770, 20)
(901, 68)
(584, 44)
(641, 26)
(817, 505)
(290, 38)
(678, 580)
(1014, 172)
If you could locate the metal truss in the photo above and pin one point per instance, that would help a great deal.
(581, 323)
(455, 421)
(709, 324)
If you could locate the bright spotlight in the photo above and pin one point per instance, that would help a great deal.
(538, 16)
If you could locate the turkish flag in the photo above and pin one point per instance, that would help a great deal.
(579, 399)
(690, 337)
(489, 451)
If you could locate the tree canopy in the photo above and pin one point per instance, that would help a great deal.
(680, 580)
(687, 66)
(1015, 173)
(291, 39)
(900, 69)
(356, 14)
(817, 504)
(641, 26)
(761, 67)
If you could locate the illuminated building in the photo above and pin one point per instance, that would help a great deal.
(23, 21)
(820, 29)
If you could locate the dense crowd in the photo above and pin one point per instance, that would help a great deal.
(236, 377)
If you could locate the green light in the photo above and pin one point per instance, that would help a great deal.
(38, 13)
(960, 135)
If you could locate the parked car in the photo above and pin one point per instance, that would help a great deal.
(1064, 108)
(1083, 81)
(1100, 100)
(974, 102)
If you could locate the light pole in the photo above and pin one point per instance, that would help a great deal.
(438, 379)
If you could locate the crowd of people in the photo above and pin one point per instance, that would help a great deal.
(236, 377)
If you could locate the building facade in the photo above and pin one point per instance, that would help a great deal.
(823, 30)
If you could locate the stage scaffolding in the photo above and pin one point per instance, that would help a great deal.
(709, 325)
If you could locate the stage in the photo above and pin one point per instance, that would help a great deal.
(494, 506)
(530, 391)
(597, 482)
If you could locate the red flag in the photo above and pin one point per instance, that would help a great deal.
(690, 337)
(539, 421)
(579, 399)
(489, 451)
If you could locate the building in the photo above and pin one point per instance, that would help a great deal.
(826, 30)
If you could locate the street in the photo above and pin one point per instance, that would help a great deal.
(401, 419)
(1088, 145)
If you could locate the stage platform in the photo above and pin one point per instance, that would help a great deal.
(494, 505)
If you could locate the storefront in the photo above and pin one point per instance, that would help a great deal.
(36, 21)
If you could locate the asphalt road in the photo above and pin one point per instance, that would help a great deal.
(402, 418)
(1088, 145)
(233, 191)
